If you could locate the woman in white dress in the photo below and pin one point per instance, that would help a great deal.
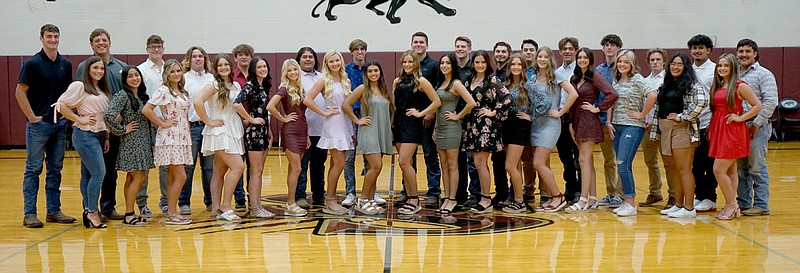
(222, 136)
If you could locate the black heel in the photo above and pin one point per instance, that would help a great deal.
(88, 222)
(85, 219)
(479, 209)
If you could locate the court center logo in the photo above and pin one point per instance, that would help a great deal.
(318, 223)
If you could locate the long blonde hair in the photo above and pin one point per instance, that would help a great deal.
(416, 74)
(293, 87)
(327, 75)
(222, 89)
(165, 77)
(631, 58)
(522, 99)
(730, 85)
(549, 74)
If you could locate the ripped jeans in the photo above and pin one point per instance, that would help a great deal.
(626, 142)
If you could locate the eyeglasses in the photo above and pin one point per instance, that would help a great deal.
(676, 64)
(155, 47)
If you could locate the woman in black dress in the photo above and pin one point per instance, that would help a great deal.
(410, 90)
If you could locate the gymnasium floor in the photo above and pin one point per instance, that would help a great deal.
(595, 241)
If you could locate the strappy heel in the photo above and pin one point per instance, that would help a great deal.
(366, 206)
(88, 222)
(730, 212)
(408, 208)
(551, 208)
(596, 202)
(134, 221)
(480, 209)
(444, 210)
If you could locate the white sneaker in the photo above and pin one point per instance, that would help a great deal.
(349, 200)
(683, 213)
(696, 202)
(627, 210)
(616, 209)
(705, 206)
(379, 200)
(670, 210)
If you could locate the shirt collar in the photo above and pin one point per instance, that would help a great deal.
(312, 73)
(150, 64)
(659, 75)
(195, 73)
(570, 66)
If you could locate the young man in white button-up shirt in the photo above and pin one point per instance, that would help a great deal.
(152, 70)
(703, 166)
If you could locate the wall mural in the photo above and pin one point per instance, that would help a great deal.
(394, 5)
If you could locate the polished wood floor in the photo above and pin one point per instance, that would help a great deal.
(537, 242)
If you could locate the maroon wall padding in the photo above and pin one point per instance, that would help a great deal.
(6, 100)
(781, 61)
(16, 118)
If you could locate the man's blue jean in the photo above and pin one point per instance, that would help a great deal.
(206, 167)
(753, 173)
(44, 141)
(626, 142)
(90, 148)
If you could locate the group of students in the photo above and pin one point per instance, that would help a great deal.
(165, 114)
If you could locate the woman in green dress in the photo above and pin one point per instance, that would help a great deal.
(374, 130)
(448, 127)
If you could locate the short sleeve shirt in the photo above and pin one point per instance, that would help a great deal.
(46, 80)
(631, 98)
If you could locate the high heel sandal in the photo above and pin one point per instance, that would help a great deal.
(135, 221)
(408, 208)
(480, 209)
(730, 212)
(443, 209)
(88, 222)
(577, 207)
(515, 207)
(551, 208)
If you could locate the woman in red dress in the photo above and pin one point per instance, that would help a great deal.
(728, 137)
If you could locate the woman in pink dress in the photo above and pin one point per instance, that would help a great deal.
(173, 145)
(337, 131)
(728, 137)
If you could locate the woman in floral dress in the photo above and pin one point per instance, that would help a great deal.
(173, 146)
(483, 134)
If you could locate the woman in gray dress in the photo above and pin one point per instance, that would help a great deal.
(545, 130)
(374, 130)
(136, 143)
(448, 127)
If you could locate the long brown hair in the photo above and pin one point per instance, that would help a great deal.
(222, 89)
(366, 98)
(522, 99)
(88, 85)
(549, 74)
(416, 74)
(730, 84)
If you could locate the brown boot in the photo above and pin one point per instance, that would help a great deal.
(670, 202)
(651, 200)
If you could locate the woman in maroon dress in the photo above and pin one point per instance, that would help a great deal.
(585, 126)
(294, 133)
(728, 137)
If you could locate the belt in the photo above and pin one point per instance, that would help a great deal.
(197, 123)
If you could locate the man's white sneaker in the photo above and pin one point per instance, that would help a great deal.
(349, 200)
(670, 210)
(705, 206)
(627, 210)
(683, 213)
(379, 200)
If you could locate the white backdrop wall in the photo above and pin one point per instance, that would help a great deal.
(286, 25)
